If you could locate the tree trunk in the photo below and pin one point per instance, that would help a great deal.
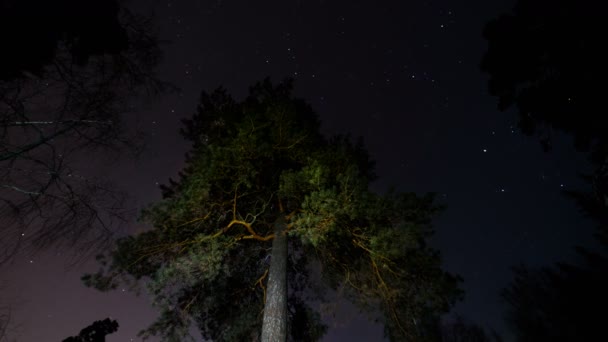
(274, 326)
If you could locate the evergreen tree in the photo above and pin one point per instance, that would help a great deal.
(263, 197)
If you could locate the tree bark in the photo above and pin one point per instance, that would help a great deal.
(274, 326)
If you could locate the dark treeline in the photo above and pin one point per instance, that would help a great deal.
(546, 59)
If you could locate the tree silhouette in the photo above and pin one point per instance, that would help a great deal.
(546, 58)
(32, 30)
(559, 303)
(69, 74)
(95, 332)
(263, 198)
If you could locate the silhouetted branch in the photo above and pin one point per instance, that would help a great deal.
(58, 111)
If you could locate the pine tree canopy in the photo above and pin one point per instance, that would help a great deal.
(253, 163)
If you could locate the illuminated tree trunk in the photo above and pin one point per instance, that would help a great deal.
(274, 326)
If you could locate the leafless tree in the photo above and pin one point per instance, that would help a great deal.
(54, 122)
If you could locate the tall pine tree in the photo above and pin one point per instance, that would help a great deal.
(263, 197)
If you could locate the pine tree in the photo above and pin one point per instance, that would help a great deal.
(263, 197)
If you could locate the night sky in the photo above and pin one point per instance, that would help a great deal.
(403, 75)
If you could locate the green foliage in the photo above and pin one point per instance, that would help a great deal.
(255, 162)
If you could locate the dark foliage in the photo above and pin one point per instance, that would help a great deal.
(95, 332)
(32, 30)
(548, 59)
(560, 303)
(457, 329)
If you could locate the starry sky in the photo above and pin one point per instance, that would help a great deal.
(403, 75)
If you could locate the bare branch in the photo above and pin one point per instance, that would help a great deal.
(60, 117)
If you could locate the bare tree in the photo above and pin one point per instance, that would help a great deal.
(59, 112)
